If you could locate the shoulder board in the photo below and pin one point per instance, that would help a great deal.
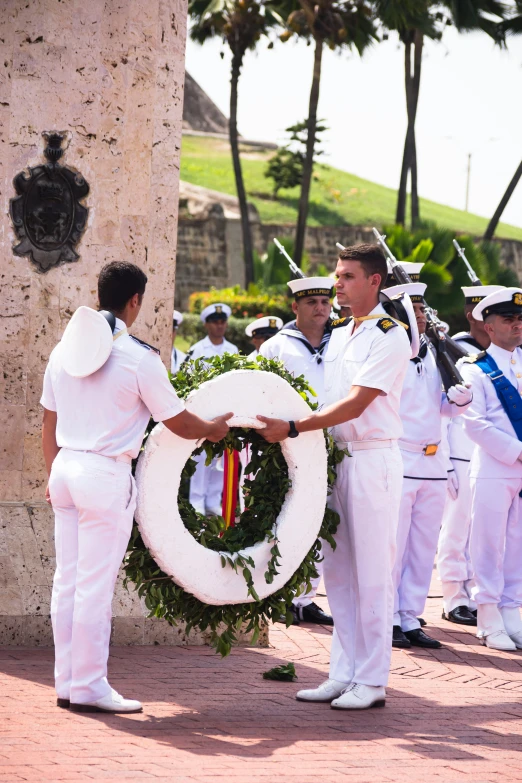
(473, 357)
(145, 345)
(340, 322)
(385, 324)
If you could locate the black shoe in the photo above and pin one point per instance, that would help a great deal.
(63, 703)
(399, 640)
(314, 614)
(422, 622)
(461, 615)
(418, 638)
(295, 616)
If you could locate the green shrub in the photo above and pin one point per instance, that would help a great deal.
(246, 304)
(193, 330)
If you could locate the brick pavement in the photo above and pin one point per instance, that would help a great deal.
(451, 715)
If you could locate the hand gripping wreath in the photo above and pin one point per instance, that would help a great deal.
(190, 567)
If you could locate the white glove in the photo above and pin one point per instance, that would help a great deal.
(453, 484)
(460, 394)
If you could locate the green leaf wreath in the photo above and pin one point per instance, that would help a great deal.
(264, 498)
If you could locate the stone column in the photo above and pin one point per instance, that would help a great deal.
(111, 74)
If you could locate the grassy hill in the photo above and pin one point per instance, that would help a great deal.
(337, 198)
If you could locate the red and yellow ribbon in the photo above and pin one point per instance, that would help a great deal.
(230, 486)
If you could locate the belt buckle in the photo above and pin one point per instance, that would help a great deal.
(431, 449)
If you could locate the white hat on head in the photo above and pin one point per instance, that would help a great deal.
(87, 342)
(506, 301)
(217, 310)
(473, 294)
(311, 286)
(412, 269)
(264, 327)
(177, 319)
(414, 290)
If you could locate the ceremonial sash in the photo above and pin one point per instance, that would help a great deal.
(230, 486)
(507, 394)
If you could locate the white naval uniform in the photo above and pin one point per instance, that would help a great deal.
(300, 358)
(366, 494)
(423, 403)
(453, 560)
(206, 485)
(177, 358)
(101, 420)
(496, 481)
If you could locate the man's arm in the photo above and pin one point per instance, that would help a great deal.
(351, 407)
(50, 447)
(188, 425)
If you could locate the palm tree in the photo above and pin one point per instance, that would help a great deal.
(241, 24)
(414, 20)
(336, 23)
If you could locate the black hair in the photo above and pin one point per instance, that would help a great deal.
(118, 282)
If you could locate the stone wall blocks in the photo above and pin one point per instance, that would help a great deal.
(13, 377)
(34, 478)
(128, 630)
(10, 594)
(10, 485)
(33, 407)
(12, 427)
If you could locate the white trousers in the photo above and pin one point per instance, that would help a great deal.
(496, 541)
(93, 499)
(453, 560)
(358, 573)
(206, 485)
(421, 509)
(305, 599)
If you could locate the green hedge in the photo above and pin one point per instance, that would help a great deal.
(193, 330)
(246, 304)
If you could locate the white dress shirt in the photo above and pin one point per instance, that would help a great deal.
(108, 412)
(487, 423)
(205, 349)
(177, 358)
(460, 445)
(373, 358)
(298, 359)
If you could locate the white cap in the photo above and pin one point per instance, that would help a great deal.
(264, 327)
(311, 286)
(414, 290)
(215, 309)
(473, 294)
(86, 343)
(177, 319)
(506, 301)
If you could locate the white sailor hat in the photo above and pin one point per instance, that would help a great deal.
(215, 312)
(507, 301)
(335, 303)
(473, 294)
(87, 341)
(311, 286)
(414, 290)
(264, 327)
(177, 319)
(412, 269)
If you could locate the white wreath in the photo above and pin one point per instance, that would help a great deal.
(193, 567)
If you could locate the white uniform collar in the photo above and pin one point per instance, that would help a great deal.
(500, 353)
(209, 344)
(378, 310)
(120, 325)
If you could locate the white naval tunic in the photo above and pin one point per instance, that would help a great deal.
(101, 421)
(423, 404)
(496, 481)
(177, 358)
(367, 492)
(206, 485)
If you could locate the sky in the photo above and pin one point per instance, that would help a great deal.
(470, 103)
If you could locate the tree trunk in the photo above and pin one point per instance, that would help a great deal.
(415, 216)
(400, 215)
(493, 223)
(409, 157)
(417, 63)
(309, 156)
(237, 61)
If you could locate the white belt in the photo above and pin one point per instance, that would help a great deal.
(362, 445)
(429, 449)
(126, 458)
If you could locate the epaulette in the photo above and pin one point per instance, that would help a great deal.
(385, 324)
(340, 322)
(473, 357)
(145, 345)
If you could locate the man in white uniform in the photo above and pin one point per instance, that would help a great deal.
(423, 404)
(92, 428)
(494, 424)
(206, 485)
(366, 362)
(301, 346)
(177, 357)
(261, 330)
(453, 560)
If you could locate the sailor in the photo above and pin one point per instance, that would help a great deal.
(206, 485)
(423, 405)
(300, 346)
(494, 424)
(99, 392)
(261, 330)
(453, 561)
(365, 365)
(177, 357)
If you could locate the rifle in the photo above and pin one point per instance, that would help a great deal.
(293, 266)
(471, 272)
(448, 352)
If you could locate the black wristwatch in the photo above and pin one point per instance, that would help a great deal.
(293, 430)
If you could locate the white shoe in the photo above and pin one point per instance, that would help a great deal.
(517, 639)
(499, 640)
(360, 697)
(113, 702)
(327, 691)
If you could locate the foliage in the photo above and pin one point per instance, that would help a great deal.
(252, 303)
(271, 269)
(283, 673)
(285, 169)
(263, 501)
